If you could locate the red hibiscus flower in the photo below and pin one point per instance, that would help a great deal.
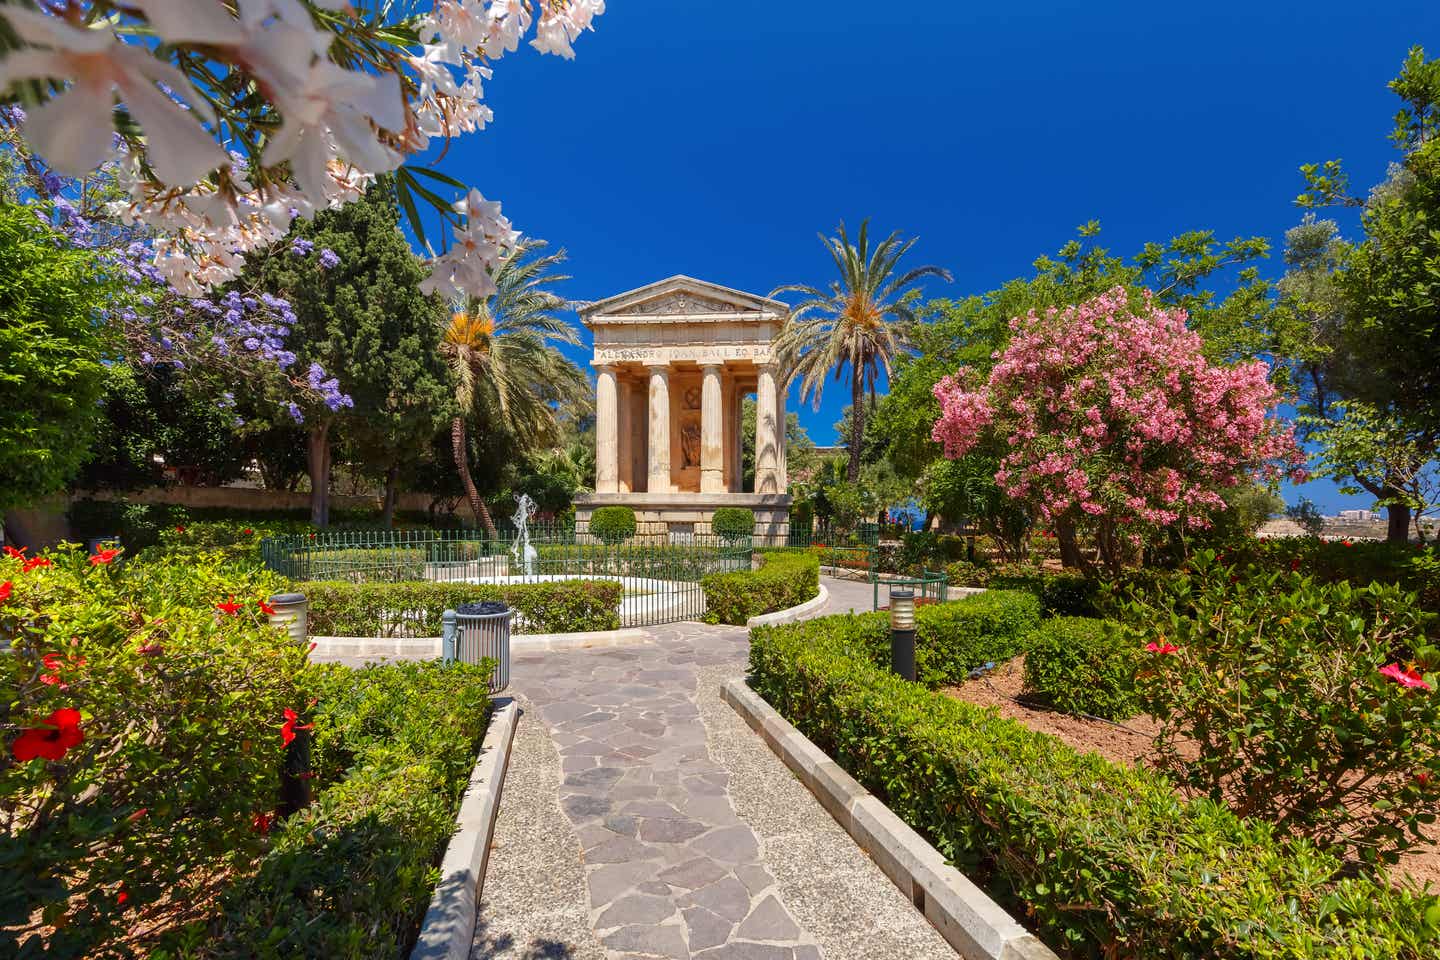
(231, 608)
(1294, 564)
(1423, 779)
(121, 897)
(247, 531)
(266, 609)
(179, 529)
(62, 731)
(14, 554)
(5, 589)
(1165, 647)
(104, 556)
(288, 728)
(1410, 679)
(261, 823)
(34, 562)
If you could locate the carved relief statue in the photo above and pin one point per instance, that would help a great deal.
(690, 445)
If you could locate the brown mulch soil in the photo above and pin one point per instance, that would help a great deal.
(1128, 743)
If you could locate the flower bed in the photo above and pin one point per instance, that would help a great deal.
(148, 711)
(783, 580)
(1104, 860)
(415, 609)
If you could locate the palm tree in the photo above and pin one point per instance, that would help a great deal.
(861, 324)
(507, 368)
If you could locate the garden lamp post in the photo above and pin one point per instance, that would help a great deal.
(902, 633)
(291, 613)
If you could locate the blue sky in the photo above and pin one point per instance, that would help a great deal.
(716, 138)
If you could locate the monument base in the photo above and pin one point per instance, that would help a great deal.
(674, 517)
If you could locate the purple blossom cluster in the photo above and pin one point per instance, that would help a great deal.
(231, 333)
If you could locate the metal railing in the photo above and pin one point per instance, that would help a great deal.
(822, 534)
(661, 580)
(931, 586)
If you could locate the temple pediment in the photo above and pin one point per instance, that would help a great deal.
(683, 299)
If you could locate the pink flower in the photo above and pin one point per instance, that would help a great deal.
(1164, 648)
(1409, 679)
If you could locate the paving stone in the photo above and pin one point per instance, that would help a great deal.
(694, 873)
(768, 921)
(706, 929)
(638, 909)
(619, 850)
(650, 940)
(727, 897)
(670, 831)
(731, 844)
(755, 878)
(740, 950)
(583, 806)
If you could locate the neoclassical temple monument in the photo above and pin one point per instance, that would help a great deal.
(674, 360)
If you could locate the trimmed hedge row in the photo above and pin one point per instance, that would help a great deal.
(352, 874)
(1106, 860)
(415, 609)
(952, 639)
(783, 580)
(1080, 665)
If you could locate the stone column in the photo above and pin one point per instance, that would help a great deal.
(781, 389)
(712, 431)
(767, 454)
(607, 432)
(737, 452)
(659, 472)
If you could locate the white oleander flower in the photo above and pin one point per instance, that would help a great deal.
(73, 130)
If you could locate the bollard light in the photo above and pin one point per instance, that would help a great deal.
(291, 613)
(902, 633)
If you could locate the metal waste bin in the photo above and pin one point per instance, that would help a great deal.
(475, 631)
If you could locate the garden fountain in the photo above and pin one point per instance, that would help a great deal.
(522, 551)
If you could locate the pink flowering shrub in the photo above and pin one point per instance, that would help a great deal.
(1112, 418)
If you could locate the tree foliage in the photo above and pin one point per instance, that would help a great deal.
(52, 343)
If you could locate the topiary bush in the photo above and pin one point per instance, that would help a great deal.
(342, 609)
(612, 524)
(783, 580)
(1311, 705)
(1103, 859)
(733, 523)
(1081, 665)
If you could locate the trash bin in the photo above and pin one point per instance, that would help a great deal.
(475, 631)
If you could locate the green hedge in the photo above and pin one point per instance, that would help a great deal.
(1105, 860)
(391, 609)
(1081, 665)
(783, 580)
(612, 524)
(351, 876)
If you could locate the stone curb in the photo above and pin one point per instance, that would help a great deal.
(426, 648)
(960, 593)
(976, 926)
(790, 614)
(448, 931)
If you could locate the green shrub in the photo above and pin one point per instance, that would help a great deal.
(352, 874)
(1080, 665)
(612, 524)
(180, 707)
(1412, 566)
(965, 573)
(1105, 860)
(733, 523)
(395, 609)
(952, 639)
(1060, 594)
(783, 580)
(1277, 681)
(802, 521)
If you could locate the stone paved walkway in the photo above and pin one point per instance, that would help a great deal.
(630, 787)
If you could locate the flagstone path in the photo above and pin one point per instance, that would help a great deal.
(642, 819)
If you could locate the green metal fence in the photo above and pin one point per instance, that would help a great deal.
(821, 534)
(661, 579)
(931, 586)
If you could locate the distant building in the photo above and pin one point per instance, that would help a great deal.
(1357, 516)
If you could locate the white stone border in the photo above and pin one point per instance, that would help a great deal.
(976, 926)
(448, 930)
(791, 614)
